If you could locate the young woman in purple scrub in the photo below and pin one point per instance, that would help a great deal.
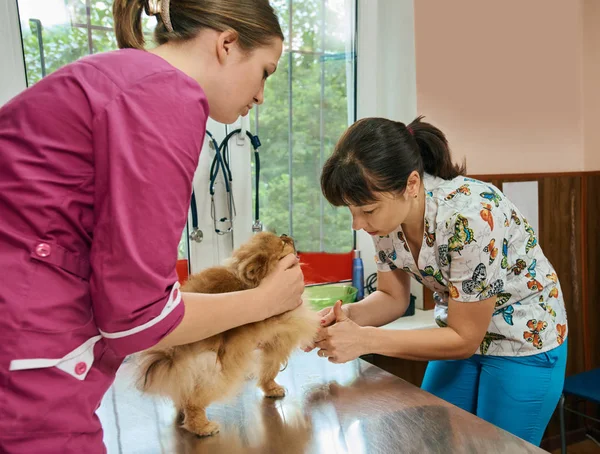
(96, 168)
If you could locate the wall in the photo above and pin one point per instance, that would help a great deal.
(515, 86)
(591, 87)
(12, 75)
(504, 79)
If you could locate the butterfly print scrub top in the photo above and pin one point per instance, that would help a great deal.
(477, 245)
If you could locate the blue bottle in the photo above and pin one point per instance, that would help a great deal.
(358, 275)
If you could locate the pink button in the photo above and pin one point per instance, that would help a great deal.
(43, 249)
(80, 368)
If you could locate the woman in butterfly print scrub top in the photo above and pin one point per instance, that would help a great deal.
(501, 350)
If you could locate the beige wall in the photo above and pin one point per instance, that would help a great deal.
(591, 83)
(506, 81)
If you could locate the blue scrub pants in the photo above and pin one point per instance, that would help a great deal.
(518, 393)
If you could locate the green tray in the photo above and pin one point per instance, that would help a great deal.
(322, 296)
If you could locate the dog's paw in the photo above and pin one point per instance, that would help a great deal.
(274, 390)
(204, 430)
(209, 429)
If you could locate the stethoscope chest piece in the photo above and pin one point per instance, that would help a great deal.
(197, 235)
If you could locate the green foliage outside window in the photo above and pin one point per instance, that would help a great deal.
(319, 65)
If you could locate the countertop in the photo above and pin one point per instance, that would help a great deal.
(421, 320)
(349, 408)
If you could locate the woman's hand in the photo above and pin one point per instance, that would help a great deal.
(341, 342)
(327, 318)
(282, 289)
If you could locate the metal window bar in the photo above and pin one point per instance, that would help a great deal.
(101, 28)
(88, 17)
(91, 26)
(290, 121)
(36, 25)
(322, 127)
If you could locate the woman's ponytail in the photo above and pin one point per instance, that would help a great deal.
(127, 15)
(434, 149)
(254, 21)
(378, 155)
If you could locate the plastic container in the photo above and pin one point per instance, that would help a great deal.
(322, 296)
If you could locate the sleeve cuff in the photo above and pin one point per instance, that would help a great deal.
(463, 298)
(144, 336)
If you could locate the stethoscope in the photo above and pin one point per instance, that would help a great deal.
(220, 164)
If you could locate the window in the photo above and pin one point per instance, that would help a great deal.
(309, 102)
(58, 32)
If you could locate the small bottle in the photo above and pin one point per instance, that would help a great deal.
(358, 275)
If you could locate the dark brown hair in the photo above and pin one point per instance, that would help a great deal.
(378, 155)
(254, 21)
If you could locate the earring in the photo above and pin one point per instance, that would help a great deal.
(416, 195)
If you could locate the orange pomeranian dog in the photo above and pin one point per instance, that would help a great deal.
(197, 374)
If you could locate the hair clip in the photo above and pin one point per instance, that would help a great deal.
(159, 8)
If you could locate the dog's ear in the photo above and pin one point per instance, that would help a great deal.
(254, 268)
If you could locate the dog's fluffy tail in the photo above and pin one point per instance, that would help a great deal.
(154, 370)
(159, 373)
(176, 372)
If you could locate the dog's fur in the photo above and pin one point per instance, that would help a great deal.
(197, 374)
